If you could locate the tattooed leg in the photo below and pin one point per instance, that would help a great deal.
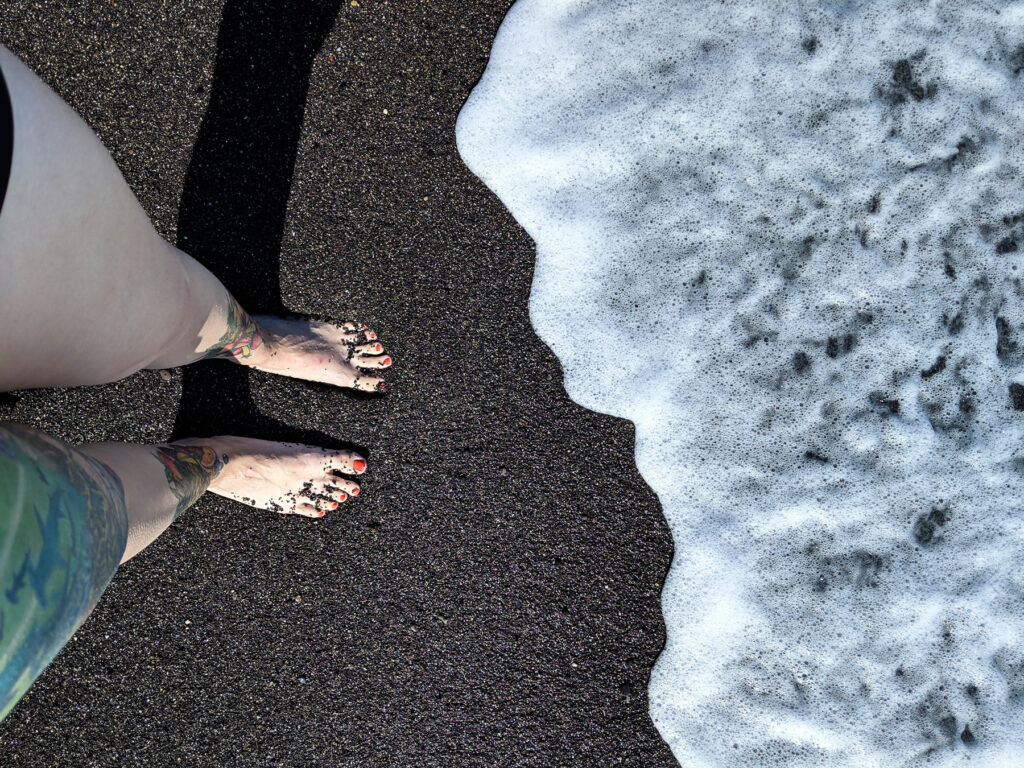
(102, 295)
(343, 355)
(63, 528)
(69, 515)
(304, 349)
(281, 477)
(162, 481)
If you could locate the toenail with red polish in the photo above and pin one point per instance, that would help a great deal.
(380, 386)
(334, 504)
(387, 361)
(355, 491)
(359, 465)
(378, 348)
(321, 514)
(372, 335)
(343, 497)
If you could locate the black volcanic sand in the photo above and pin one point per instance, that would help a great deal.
(492, 598)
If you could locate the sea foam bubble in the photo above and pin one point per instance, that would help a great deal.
(786, 240)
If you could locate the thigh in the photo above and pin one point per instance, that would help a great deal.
(63, 529)
(89, 292)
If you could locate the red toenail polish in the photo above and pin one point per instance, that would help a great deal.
(387, 361)
(378, 348)
(343, 497)
(380, 386)
(355, 491)
(334, 504)
(372, 335)
(322, 512)
(359, 464)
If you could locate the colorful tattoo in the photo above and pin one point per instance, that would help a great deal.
(241, 337)
(190, 469)
(63, 530)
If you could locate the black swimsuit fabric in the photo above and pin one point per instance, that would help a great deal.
(6, 138)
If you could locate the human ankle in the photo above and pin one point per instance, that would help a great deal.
(242, 338)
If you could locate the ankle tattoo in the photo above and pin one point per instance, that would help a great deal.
(189, 469)
(241, 337)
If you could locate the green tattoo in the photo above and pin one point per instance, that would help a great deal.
(241, 337)
(190, 469)
(63, 529)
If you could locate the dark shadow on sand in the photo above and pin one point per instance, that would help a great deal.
(235, 196)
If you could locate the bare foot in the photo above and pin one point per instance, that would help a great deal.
(316, 351)
(282, 477)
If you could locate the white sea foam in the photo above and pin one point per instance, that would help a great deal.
(784, 240)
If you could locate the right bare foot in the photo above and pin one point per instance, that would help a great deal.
(288, 478)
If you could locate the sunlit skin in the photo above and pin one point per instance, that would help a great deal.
(137, 302)
(90, 293)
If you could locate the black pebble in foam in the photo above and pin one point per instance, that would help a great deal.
(801, 362)
(1016, 60)
(883, 403)
(937, 367)
(905, 85)
(1006, 344)
(1007, 245)
(834, 345)
(1017, 396)
(926, 526)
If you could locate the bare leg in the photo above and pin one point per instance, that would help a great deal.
(162, 481)
(62, 531)
(69, 516)
(90, 293)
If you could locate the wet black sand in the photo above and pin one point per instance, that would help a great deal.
(492, 598)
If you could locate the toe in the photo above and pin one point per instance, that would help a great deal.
(349, 462)
(330, 493)
(308, 510)
(371, 361)
(372, 348)
(368, 384)
(340, 489)
(355, 332)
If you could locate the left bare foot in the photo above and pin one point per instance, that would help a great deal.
(317, 351)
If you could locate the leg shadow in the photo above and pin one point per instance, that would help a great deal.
(232, 210)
